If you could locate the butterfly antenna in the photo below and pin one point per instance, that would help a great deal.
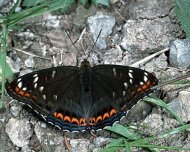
(73, 43)
(171, 81)
(94, 43)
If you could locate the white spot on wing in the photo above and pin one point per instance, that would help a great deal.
(131, 81)
(19, 80)
(44, 97)
(124, 93)
(41, 88)
(35, 85)
(126, 85)
(114, 72)
(20, 84)
(114, 94)
(141, 83)
(24, 89)
(35, 75)
(55, 97)
(145, 73)
(145, 78)
(35, 79)
(130, 71)
(53, 74)
(130, 75)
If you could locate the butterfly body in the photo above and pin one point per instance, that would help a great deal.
(82, 98)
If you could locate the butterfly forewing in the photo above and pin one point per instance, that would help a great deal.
(48, 91)
(66, 98)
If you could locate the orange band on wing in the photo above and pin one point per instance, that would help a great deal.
(22, 93)
(67, 118)
(83, 122)
(75, 121)
(60, 116)
(106, 116)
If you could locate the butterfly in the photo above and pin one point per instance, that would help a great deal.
(82, 98)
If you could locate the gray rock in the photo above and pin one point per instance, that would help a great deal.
(19, 131)
(143, 36)
(113, 56)
(101, 22)
(180, 53)
(60, 149)
(101, 141)
(52, 21)
(79, 145)
(161, 62)
(15, 110)
(96, 149)
(150, 9)
(150, 67)
(154, 120)
(14, 65)
(23, 72)
(39, 132)
(26, 149)
(3, 3)
(175, 105)
(29, 62)
(181, 105)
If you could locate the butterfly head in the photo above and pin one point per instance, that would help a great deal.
(85, 64)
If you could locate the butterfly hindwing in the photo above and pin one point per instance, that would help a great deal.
(116, 89)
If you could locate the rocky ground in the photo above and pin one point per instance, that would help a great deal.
(131, 31)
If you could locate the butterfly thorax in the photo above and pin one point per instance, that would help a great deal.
(86, 85)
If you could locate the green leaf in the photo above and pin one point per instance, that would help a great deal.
(8, 71)
(183, 13)
(84, 2)
(29, 3)
(123, 131)
(101, 2)
(114, 146)
(159, 102)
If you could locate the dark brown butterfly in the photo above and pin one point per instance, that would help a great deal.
(82, 98)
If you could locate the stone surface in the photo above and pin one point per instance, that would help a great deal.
(53, 21)
(19, 131)
(15, 110)
(15, 64)
(181, 105)
(101, 141)
(101, 22)
(79, 145)
(157, 123)
(29, 62)
(141, 36)
(180, 53)
(39, 131)
(113, 56)
(149, 9)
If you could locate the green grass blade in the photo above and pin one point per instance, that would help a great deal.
(37, 10)
(123, 131)
(114, 146)
(14, 7)
(159, 102)
(127, 146)
(3, 57)
(183, 12)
